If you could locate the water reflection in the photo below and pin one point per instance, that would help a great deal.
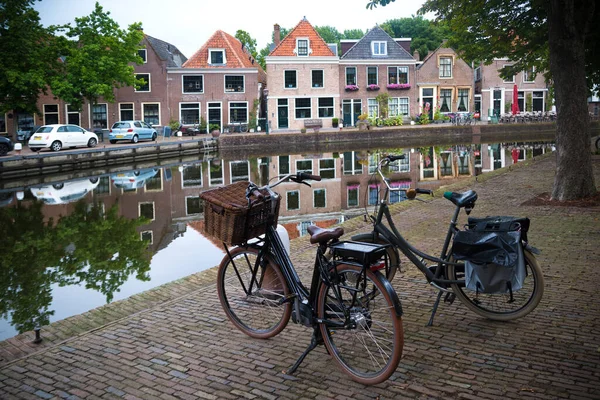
(74, 245)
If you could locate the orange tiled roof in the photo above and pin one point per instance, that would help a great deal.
(303, 29)
(235, 56)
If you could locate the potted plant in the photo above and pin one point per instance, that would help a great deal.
(351, 88)
(335, 122)
(372, 87)
(363, 123)
(398, 86)
(215, 131)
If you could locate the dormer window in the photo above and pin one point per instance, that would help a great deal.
(216, 57)
(302, 49)
(379, 48)
(143, 55)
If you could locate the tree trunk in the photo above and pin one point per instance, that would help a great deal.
(567, 23)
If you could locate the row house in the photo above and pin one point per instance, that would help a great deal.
(374, 65)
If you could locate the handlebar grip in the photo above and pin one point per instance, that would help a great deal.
(424, 191)
(398, 157)
(304, 176)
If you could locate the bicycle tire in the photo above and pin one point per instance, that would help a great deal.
(393, 264)
(598, 144)
(496, 306)
(261, 314)
(370, 352)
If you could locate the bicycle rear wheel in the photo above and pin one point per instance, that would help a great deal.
(369, 349)
(253, 305)
(498, 306)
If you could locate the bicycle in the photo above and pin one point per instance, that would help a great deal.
(350, 306)
(448, 275)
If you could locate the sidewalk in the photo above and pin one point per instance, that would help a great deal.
(183, 347)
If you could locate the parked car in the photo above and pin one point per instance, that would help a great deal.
(133, 179)
(57, 136)
(131, 130)
(6, 145)
(64, 192)
(25, 135)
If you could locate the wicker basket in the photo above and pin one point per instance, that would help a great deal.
(228, 218)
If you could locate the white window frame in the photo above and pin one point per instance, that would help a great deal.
(239, 178)
(57, 113)
(235, 91)
(230, 112)
(91, 115)
(183, 83)
(149, 82)
(312, 167)
(377, 46)
(327, 169)
(450, 65)
(355, 76)
(312, 81)
(303, 108)
(186, 204)
(376, 74)
(348, 189)
(450, 101)
(143, 116)
(287, 203)
(458, 90)
(319, 107)
(197, 166)
(210, 177)
(372, 103)
(325, 197)
(217, 50)
(145, 57)
(308, 49)
(295, 73)
(160, 174)
(153, 209)
(199, 112)
(526, 76)
(513, 77)
(121, 109)
(145, 232)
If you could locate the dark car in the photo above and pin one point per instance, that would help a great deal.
(5, 145)
(24, 136)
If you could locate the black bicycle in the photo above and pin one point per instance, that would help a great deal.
(350, 306)
(447, 274)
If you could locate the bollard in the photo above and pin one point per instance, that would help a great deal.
(18, 148)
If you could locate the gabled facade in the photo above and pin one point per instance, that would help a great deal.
(302, 71)
(444, 80)
(377, 64)
(219, 83)
(496, 93)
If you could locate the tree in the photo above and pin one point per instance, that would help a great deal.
(329, 34)
(265, 51)
(426, 35)
(247, 41)
(29, 56)
(98, 57)
(556, 36)
(353, 34)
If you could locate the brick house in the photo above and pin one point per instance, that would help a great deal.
(303, 76)
(376, 64)
(219, 83)
(146, 103)
(496, 94)
(444, 80)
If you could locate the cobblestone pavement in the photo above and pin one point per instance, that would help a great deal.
(176, 343)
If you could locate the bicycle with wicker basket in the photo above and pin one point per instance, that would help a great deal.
(350, 306)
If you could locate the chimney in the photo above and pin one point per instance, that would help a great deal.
(416, 55)
(276, 35)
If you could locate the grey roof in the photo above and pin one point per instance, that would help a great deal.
(167, 51)
(362, 49)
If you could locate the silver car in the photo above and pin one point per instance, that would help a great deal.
(133, 131)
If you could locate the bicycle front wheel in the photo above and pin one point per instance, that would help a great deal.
(500, 306)
(252, 294)
(367, 344)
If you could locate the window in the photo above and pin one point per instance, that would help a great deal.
(445, 67)
(50, 114)
(511, 79)
(398, 106)
(326, 107)
(351, 164)
(372, 76)
(103, 186)
(319, 200)
(445, 100)
(284, 165)
(151, 112)
(240, 171)
(290, 81)
(189, 113)
(146, 210)
(398, 196)
(317, 78)
(293, 200)
(302, 47)
(373, 194)
(154, 183)
(327, 168)
(350, 75)
(3, 123)
(303, 109)
(100, 116)
(126, 112)
(216, 56)
(142, 53)
(445, 161)
(304, 166)
(402, 165)
(397, 75)
(538, 101)
(353, 195)
(193, 205)
(147, 236)
(373, 106)
(529, 75)
(379, 48)
(215, 172)
(238, 113)
(234, 83)
(191, 176)
(193, 83)
(463, 100)
(142, 86)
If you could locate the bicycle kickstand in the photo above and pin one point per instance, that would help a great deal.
(450, 296)
(315, 340)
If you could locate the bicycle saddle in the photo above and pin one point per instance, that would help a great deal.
(461, 199)
(320, 235)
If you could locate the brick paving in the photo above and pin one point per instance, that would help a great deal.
(175, 342)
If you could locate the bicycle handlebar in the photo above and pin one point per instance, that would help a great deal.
(410, 192)
(300, 177)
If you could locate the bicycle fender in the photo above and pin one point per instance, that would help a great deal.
(391, 292)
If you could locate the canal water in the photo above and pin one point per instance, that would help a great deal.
(71, 245)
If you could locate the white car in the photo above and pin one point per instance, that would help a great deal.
(64, 192)
(57, 136)
(133, 179)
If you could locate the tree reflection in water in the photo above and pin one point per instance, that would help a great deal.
(88, 247)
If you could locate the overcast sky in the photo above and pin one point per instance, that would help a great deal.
(187, 24)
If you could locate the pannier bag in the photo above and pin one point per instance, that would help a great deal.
(493, 253)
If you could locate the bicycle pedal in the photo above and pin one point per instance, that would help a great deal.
(449, 298)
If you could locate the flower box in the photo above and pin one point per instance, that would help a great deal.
(373, 87)
(398, 86)
(351, 88)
